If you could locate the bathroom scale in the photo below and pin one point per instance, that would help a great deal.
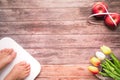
(21, 55)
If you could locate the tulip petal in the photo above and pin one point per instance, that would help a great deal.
(106, 50)
(95, 61)
(93, 69)
(100, 55)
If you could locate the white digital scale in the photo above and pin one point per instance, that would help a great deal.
(22, 55)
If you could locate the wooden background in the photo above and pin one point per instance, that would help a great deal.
(57, 34)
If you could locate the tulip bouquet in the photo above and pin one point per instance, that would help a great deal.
(105, 64)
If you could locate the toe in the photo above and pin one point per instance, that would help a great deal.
(12, 56)
(6, 51)
(27, 72)
(27, 65)
(10, 51)
(3, 51)
(28, 68)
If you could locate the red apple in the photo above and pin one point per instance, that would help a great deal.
(116, 19)
(99, 7)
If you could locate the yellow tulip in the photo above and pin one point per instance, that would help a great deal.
(95, 61)
(93, 69)
(106, 50)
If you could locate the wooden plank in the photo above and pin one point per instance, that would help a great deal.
(48, 14)
(55, 27)
(64, 41)
(44, 3)
(66, 78)
(66, 56)
(18, 14)
(66, 72)
(51, 3)
(62, 56)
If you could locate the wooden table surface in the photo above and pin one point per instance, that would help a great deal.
(57, 34)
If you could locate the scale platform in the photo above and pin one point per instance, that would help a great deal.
(22, 55)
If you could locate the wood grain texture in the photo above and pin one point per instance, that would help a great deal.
(66, 41)
(43, 4)
(65, 72)
(66, 56)
(48, 14)
(43, 14)
(51, 3)
(57, 34)
(55, 28)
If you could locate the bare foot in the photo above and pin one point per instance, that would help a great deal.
(19, 72)
(6, 56)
